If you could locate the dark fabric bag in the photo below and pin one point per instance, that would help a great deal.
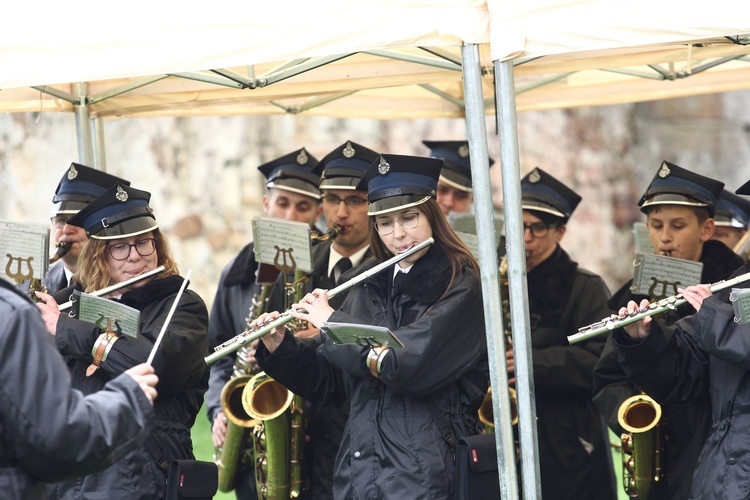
(476, 468)
(192, 479)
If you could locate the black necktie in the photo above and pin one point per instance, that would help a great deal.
(397, 283)
(343, 265)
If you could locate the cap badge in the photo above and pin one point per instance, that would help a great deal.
(535, 176)
(348, 150)
(72, 173)
(463, 151)
(302, 158)
(383, 166)
(664, 170)
(121, 194)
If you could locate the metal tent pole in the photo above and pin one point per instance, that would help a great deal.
(83, 126)
(510, 167)
(480, 173)
(100, 156)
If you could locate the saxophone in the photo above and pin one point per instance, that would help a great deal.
(639, 415)
(642, 444)
(279, 438)
(239, 423)
(485, 412)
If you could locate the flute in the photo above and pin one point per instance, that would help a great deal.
(115, 287)
(249, 336)
(659, 306)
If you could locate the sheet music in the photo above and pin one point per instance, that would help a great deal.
(28, 246)
(659, 276)
(642, 238)
(282, 242)
(466, 223)
(471, 241)
(362, 335)
(124, 319)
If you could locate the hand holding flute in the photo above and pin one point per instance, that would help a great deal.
(639, 330)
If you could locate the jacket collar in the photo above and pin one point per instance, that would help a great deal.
(427, 280)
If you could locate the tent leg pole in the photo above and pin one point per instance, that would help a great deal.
(480, 173)
(83, 127)
(100, 156)
(507, 126)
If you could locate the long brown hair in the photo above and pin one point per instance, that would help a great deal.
(458, 253)
(93, 268)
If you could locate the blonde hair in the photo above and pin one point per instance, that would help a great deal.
(93, 271)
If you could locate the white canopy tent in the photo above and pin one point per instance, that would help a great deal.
(381, 59)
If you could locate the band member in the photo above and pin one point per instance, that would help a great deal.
(292, 194)
(679, 206)
(431, 300)
(78, 187)
(346, 207)
(50, 431)
(732, 219)
(574, 455)
(454, 185)
(454, 193)
(125, 242)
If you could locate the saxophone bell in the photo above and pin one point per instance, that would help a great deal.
(642, 445)
(239, 426)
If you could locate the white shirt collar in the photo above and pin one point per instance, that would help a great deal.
(334, 256)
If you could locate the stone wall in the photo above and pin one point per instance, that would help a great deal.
(206, 189)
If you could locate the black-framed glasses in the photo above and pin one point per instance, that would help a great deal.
(407, 221)
(349, 201)
(59, 221)
(144, 247)
(538, 229)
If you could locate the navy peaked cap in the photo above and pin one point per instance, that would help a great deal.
(394, 182)
(457, 164)
(542, 192)
(343, 167)
(293, 172)
(79, 186)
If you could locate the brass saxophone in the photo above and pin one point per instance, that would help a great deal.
(642, 447)
(485, 413)
(239, 422)
(642, 443)
(279, 438)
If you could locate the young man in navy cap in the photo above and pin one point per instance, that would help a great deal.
(292, 194)
(703, 356)
(454, 185)
(732, 219)
(679, 207)
(77, 188)
(574, 454)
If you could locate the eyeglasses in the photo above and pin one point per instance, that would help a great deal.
(144, 247)
(406, 221)
(538, 229)
(59, 221)
(351, 201)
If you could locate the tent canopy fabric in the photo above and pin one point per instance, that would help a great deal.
(373, 59)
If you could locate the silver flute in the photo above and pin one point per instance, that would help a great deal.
(115, 287)
(249, 336)
(656, 307)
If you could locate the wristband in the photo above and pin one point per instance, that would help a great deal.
(381, 357)
(100, 351)
(372, 361)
